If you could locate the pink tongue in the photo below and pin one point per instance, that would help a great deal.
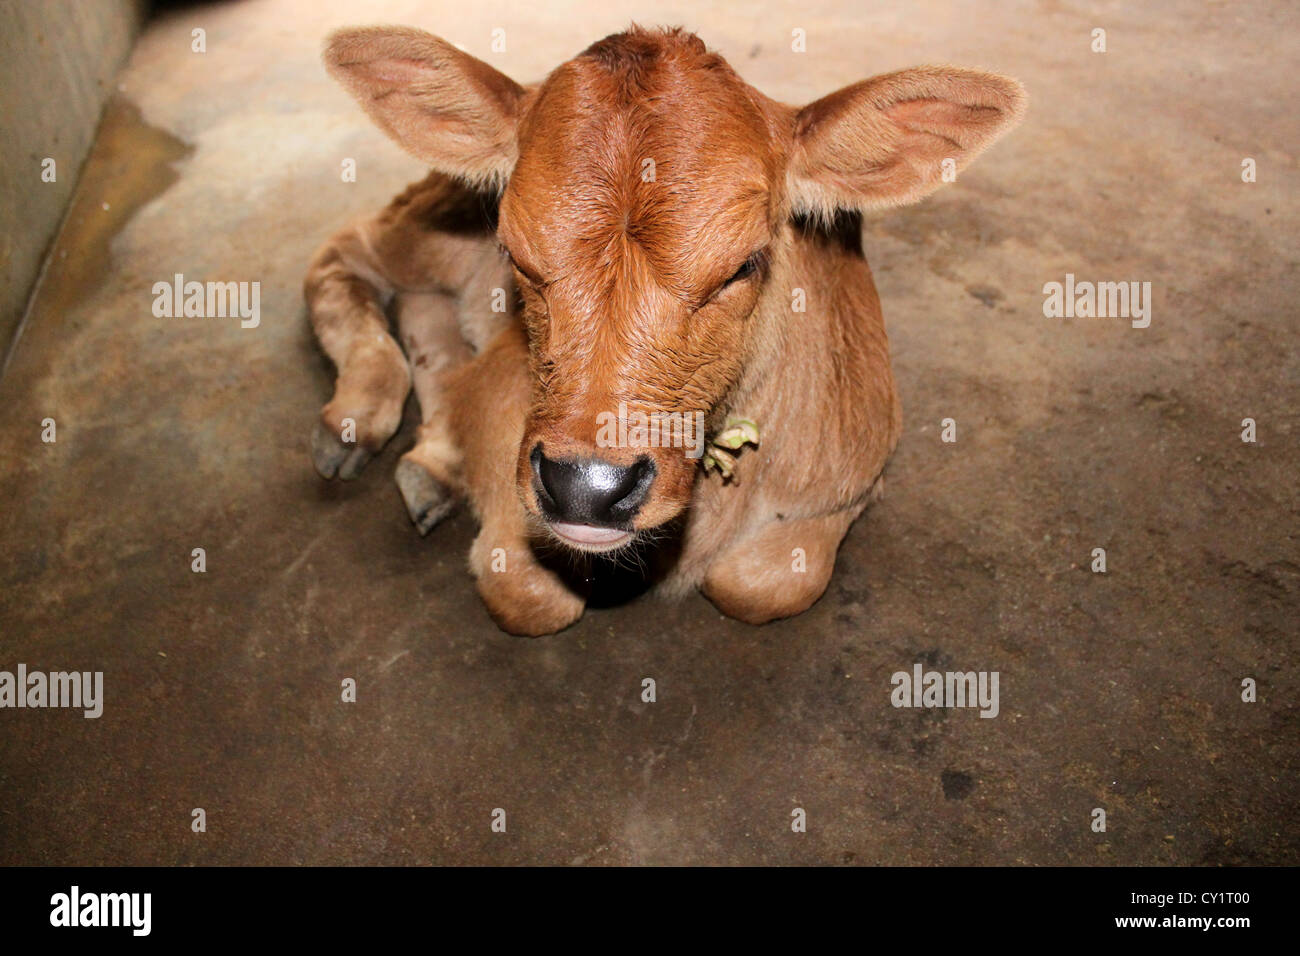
(587, 534)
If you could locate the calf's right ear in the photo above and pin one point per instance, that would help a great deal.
(443, 106)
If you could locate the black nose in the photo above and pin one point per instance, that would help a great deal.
(591, 491)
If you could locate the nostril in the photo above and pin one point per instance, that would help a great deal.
(537, 459)
(634, 487)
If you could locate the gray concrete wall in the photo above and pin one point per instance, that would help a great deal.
(58, 61)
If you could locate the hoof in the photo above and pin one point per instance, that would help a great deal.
(334, 458)
(427, 500)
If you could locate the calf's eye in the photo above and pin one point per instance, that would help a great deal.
(747, 268)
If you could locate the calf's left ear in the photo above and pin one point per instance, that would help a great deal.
(884, 141)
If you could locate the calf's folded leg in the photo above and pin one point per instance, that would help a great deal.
(345, 299)
(779, 570)
(486, 403)
(434, 237)
(427, 475)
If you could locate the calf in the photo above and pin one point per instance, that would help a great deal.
(641, 237)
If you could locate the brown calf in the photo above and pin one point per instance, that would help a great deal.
(630, 241)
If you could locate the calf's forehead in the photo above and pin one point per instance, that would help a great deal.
(683, 155)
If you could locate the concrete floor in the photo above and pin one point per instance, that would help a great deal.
(1119, 691)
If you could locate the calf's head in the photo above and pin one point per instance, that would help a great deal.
(645, 192)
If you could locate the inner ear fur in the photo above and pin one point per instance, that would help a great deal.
(445, 107)
(882, 142)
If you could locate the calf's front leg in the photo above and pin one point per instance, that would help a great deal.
(472, 444)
